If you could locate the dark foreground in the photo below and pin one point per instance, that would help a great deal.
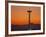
(25, 27)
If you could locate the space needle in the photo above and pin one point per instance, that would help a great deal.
(29, 12)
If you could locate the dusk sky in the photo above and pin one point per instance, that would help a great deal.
(19, 15)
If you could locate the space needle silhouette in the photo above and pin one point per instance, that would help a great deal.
(29, 12)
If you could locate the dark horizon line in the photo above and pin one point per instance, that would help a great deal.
(25, 24)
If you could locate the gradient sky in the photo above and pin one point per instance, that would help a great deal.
(19, 15)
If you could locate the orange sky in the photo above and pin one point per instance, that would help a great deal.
(19, 15)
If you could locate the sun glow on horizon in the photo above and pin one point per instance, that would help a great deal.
(20, 16)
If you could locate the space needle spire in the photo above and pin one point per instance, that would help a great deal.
(29, 12)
